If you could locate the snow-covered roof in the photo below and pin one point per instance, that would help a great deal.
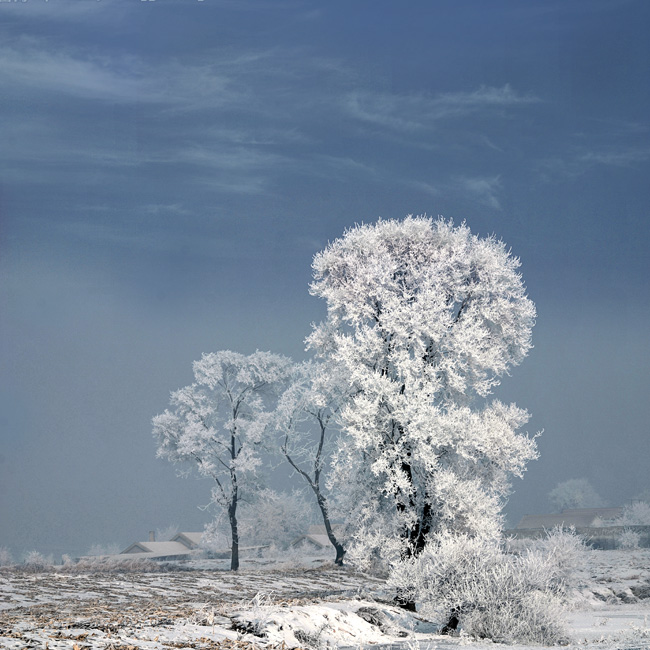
(580, 518)
(320, 541)
(156, 549)
(191, 540)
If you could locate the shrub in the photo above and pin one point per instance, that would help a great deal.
(5, 557)
(635, 514)
(629, 539)
(35, 561)
(511, 598)
(565, 553)
(107, 565)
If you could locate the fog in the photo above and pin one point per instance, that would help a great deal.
(168, 171)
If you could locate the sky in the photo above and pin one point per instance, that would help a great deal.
(169, 168)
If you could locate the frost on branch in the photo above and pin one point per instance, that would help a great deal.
(218, 423)
(423, 319)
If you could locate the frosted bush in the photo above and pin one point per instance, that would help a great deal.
(35, 561)
(5, 557)
(629, 539)
(635, 514)
(511, 598)
(565, 552)
(106, 565)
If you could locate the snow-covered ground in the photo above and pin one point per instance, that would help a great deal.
(271, 605)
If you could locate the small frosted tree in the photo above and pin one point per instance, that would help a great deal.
(424, 318)
(575, 493)
(272, 519)
(635, 514)
(305, 417)
(218, 424)
(276, 518)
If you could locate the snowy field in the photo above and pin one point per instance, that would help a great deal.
(271, 605)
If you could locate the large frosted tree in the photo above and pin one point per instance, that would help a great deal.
(218, 424)
(424, 318)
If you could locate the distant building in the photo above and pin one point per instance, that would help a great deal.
(315, 538)
(180, 547)
(578, 518)
(598, 527)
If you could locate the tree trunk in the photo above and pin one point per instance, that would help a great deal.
(234, 554)
(452, 624)
(416, 537)
(340, 551)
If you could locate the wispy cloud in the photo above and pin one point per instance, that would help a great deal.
(483, 97)
(484, 190)
(428, 188)
(123, 79)
(417, 111)
(621, 158)
(579, 161)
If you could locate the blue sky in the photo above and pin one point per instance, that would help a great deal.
(169, 168)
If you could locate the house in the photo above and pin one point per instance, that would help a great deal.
(578, 518)
(191, 540)
(316, 538)
(597, 526)
(180, 547)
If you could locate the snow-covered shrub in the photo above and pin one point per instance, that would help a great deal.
(35, 561)
(107, 565)
(629, 539)
(565, 552)
(489, 593)
(635, 514)
(5, 557)
(575, 493)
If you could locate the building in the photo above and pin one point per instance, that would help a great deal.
(578, 518)
(316, 538)
(180, 547)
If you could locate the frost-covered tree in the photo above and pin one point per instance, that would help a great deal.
(272, 519)
(276, 518)
(575, 493)
(424, 318)
(218, 423)
(305, 418)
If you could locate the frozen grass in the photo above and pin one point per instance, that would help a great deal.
(265, 607)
